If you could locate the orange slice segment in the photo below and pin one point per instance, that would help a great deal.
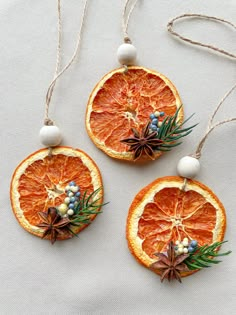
(121, 101)
(163, 212)
(39, 183)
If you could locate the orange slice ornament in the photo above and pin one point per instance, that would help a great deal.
(57, 191)
(176, 225)
(164, 212)
(134, 113)
(49, 181)
(123, 103)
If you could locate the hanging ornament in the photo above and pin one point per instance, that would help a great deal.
(57, 191)
(176, 225)
(134, 113)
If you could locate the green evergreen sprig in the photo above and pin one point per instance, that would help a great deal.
(87, 206)
(204, 256)
(171, 131)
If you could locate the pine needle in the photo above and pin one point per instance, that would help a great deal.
(204, 256)
(87, 206)
(171, 131)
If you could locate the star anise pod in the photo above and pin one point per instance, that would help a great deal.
(144, 142)
(53, 224)
(170, 265)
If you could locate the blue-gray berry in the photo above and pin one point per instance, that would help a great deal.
(193, 243)
(155, 121)
(153, 127)
(190, 249)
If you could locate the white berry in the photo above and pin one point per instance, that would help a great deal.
(70, 212)
(177, 242)
(67, 188)
(127, 54)
(188, 167)
(181, 246)
(185, 243)
(74, 188)
(71, 194)
(67, 200)
(180, 250)
(50, 136)
(63, 208)
(185, 250)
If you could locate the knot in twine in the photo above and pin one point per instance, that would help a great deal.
(128, 9)
(48, 122)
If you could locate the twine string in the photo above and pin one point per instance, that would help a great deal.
(47, 120)
(211, 126)
(170, 27)
(185, 182)
(58, 72)
(128, 9)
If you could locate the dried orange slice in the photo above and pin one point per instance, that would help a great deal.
(125, 100)
(163, 212)
(39, 183)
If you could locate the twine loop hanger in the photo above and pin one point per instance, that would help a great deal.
(58, 72)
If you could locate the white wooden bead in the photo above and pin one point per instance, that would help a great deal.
(127, 54)
(50, 136)
(188, 167)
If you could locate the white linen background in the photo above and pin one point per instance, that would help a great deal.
(95, 273)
